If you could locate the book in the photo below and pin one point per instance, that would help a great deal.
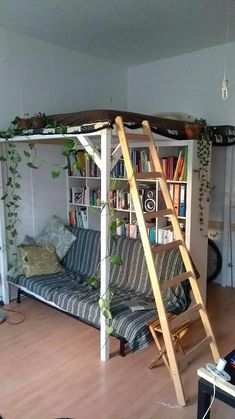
(179, 165)
(182, 203)
(84, 217)
(72, 220)
(80, 157)
(140, 304)
(78, 195)
(185, 172)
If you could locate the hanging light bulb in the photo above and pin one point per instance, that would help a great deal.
(224, 87)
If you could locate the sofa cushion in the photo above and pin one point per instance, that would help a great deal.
(37, 260)
(84, 254)
(57, 234)
(119, 274)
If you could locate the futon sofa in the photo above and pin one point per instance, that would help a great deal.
(70, 291)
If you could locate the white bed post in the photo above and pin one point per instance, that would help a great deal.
(226, 268)
(106, 137)
(3, 249)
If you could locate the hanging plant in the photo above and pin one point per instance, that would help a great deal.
(203, 154)
(11, 196)
(12, 159)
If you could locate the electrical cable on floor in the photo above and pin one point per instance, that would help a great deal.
(212, 400)
(171, 406)
(14, 311)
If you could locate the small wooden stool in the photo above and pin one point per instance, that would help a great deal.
(177, 334)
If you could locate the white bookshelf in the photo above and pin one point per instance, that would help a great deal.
(194, 238)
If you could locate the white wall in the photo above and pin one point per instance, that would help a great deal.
(190, 83)
(39, 77)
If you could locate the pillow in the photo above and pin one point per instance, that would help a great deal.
(38, 260)
(16, 267)
(57, 234)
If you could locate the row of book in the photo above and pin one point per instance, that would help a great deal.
(179, 198)
(78, 218)
(81, 195)
(79, 165)
(161, 235)
(174, 168)
(121, 200)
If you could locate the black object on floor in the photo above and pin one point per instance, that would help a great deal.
(2, 319)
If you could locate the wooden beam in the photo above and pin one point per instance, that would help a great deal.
(91, 150)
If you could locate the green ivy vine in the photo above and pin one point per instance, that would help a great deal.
(203, 154)
(12, 197)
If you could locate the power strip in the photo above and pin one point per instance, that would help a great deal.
(219, 373)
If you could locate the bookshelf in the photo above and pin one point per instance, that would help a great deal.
(181, 168)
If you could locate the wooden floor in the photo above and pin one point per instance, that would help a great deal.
(50, 368)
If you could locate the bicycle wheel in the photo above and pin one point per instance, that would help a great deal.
(214, 261)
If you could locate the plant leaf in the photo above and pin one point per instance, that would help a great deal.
(116, 260)
(26, 153)
(77, 165)
(92, 280)
(31, 145)
(109, 330)
(32, 166)
(106, 313)
(55, 174)
(101, 303)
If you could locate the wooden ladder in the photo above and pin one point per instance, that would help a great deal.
(150, 251)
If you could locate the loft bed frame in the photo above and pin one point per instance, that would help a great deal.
(86, 132)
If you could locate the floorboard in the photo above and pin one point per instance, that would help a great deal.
(50, 368)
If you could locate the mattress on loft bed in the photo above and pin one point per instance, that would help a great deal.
(106, 118)
(95, 120)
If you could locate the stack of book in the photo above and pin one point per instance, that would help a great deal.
(79, 195)
(178, 196)
(175, 168)
(119, 169)
(119, 199)
(95, 197)
(92, 169)
(78, 218)
(140, 161)
(77, 164)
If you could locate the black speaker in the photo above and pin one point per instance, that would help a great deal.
(149, 201)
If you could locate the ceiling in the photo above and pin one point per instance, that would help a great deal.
(128, 32)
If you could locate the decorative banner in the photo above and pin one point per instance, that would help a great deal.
(222, 135)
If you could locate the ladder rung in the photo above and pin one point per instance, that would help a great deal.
(162, 247)
(148, 175)
(176, 280)
(137, 137)
(187, 315)
(189, 356)
(154, 214)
